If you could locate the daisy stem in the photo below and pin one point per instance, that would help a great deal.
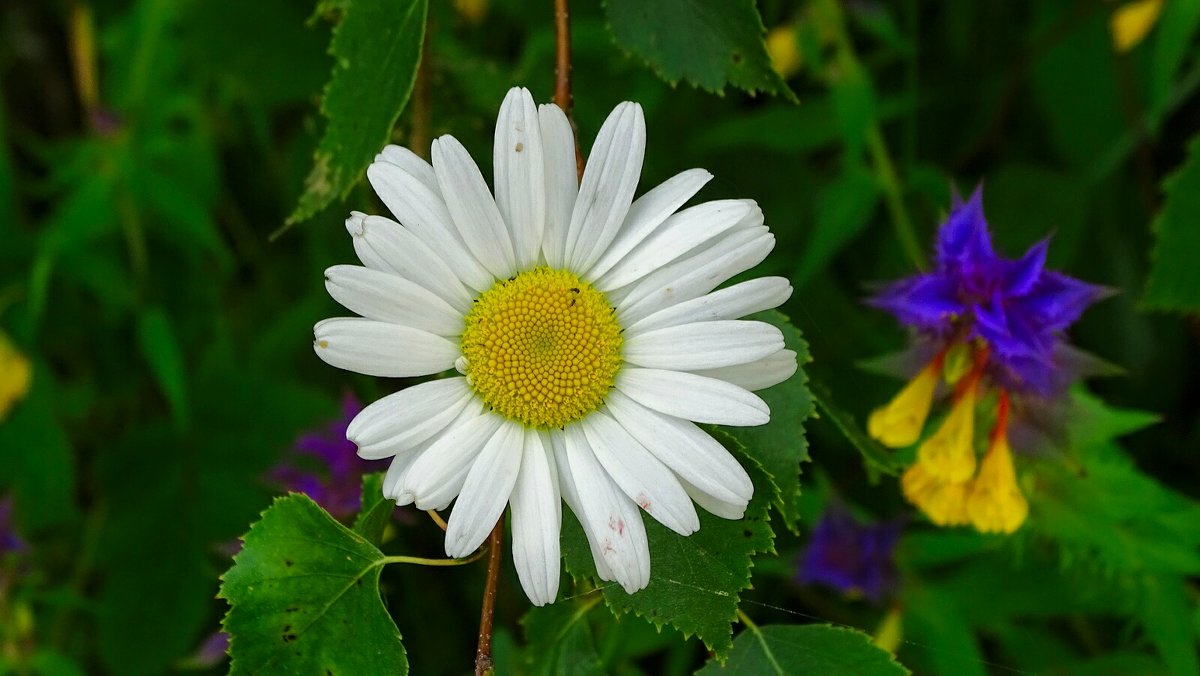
(562, 71)
(483, 653)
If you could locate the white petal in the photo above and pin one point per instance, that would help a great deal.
(640, 475)
(693, 397)
(647, 213)
(731, 302)
(423, 211)
(379, 349)
(703, 345)
(437, 476)
(383, 244)
(520, 174)
(385, 297)
(486, 490)
(393, 481)
(679, 235)
(757, 375)
(536, 522)
(695, 275)
(609, 180)
(562, 181)
(412, 163)
(686, 449)
(570, 495)
(715, 506)
(402, 420)
(610, 517)
(472, 207)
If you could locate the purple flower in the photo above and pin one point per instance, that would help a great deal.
(325, 466)
(850, 556)
(9, 541)
(1016, 307)
(213, 651)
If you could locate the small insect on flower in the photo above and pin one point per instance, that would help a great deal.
(587, 330)
(995, 326)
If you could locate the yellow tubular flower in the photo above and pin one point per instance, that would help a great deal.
(949, 454)
(15, 376)
(1132, 22)
(996, 504)
(899, 423)
(944, 502)
(890, 633)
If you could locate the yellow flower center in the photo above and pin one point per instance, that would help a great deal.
(542, 348)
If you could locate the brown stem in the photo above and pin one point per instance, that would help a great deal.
(562, 71)
(418, 137)
(483, 653)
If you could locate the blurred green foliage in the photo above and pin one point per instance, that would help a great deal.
(149, 148)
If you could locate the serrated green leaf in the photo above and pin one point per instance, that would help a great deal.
(160, 348)
(1174, 281)
(560, 641)
(784, 650)
(376, 510)
(780, 446)
(304, 598)
(875, 455)
(376, 49)
(695, 581)
(710, 43)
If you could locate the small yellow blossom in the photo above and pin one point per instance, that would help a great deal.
(996, 504)
(472, 10)
(899, 423)
(949, 454)
(944, 502)
(15, 376)
(785, 54)
(1131, 23)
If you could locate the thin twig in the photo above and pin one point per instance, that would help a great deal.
(483, 653)
(562, 71)
(418, 136)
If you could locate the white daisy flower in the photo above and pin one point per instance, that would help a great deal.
(586, 330)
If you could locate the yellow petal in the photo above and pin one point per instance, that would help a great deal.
(899, 423)
(15, 376)
(996, 504)
(785, 54)
(944, 502)
(1132, 21)
(950, 453)
(471, 10)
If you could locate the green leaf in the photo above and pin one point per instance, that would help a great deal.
(874, 454)
(560, 641)
(710, 43)
(161, 350)
(376, 49)
(376, 510)
(853, 99)
(844, 208)
(1166, 615)
(784, 650)
(304, 598)
(1174, 31)
(780, 446)
(1174, 282)
(695, 581)
(36, 461)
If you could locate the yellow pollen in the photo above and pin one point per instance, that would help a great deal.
(542, 348)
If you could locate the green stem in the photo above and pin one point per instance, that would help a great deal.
(881, 159)
(421, 561)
